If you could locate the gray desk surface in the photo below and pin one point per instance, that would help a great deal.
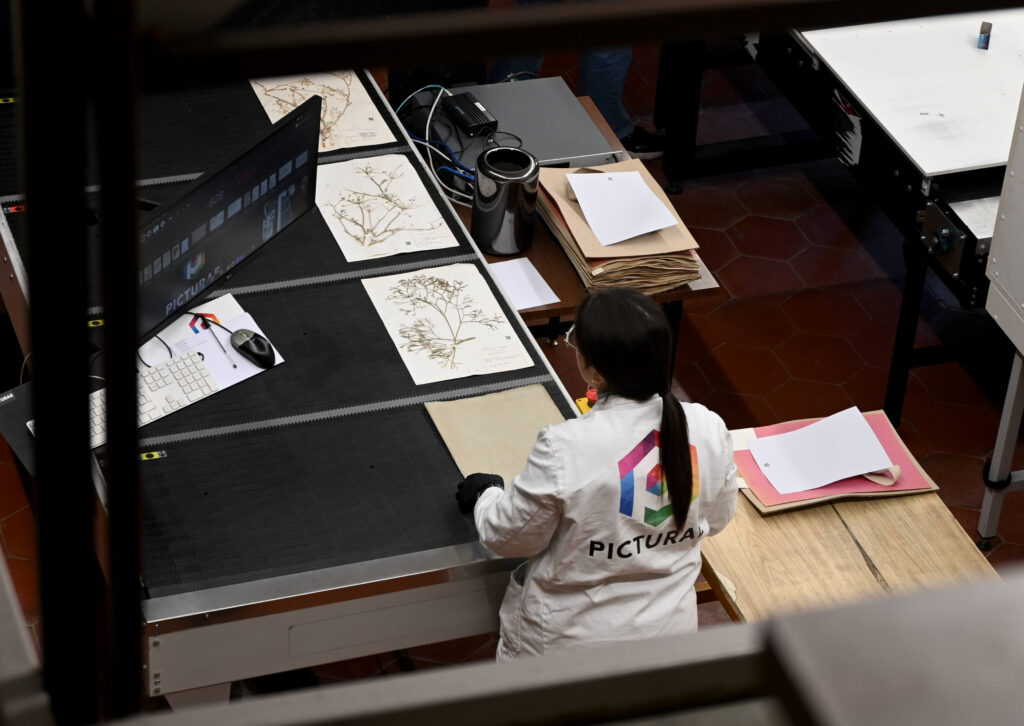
(949, 105)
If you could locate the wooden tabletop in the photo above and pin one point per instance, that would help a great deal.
(763, 566)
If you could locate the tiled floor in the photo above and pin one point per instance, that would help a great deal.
(802, 325)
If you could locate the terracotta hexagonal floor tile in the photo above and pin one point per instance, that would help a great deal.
(823, 226)
(874, 344)
(25, 575)
(1007, 557)
(716, 249)
(776, 198)
(703, 302)
(828, 312)
(824, 266)
(913, 440)
(968, 519)
(692, 381)
(19, 535)
(702, 206)
(750, 276)
(743, 369)
(958, 477)
(752, 322)
(821, 358)
(696, 337)
(955, 429)
(867, 388)
(717, 125)
(807, 399)
(949, 383)
(764, 237)
(879, 297)
(739, 411)
(13, 496)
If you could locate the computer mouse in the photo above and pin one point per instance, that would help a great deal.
(254, 347)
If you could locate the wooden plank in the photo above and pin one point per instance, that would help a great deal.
(914, 542)
(807, 559)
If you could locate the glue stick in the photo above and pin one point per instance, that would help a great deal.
(983, 37)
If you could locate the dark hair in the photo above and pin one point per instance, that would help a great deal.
(625, 336)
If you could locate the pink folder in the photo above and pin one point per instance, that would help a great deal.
(763, 495)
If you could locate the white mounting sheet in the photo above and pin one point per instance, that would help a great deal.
(948, 104)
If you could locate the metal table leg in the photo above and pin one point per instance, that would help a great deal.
(906, 329)
(998, 478)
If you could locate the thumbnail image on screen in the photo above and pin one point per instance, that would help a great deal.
(190, 243)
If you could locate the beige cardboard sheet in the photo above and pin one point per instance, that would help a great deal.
(494, 434)
(664, 241)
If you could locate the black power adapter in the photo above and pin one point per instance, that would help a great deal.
(469, 114)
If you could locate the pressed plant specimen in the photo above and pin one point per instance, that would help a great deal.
(334, 88)
(442, 310)
(377, 214)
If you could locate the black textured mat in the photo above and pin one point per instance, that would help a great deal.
(337, 354)
(252, 506)
(187, 132)
(224, 505)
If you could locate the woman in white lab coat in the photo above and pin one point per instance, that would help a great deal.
(612, 507)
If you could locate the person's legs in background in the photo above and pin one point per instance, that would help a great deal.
(603, 73)
(677, 107)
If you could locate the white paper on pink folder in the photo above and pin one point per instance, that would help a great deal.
(834, 448)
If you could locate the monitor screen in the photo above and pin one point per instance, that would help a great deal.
(191, 242)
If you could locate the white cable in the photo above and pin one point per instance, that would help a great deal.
(437, 151)
(21, 375)
(452, 189)
(430, 85)
(426, 128)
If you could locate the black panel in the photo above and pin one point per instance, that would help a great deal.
(250, 506)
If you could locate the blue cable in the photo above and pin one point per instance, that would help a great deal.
(447, 148)
(456, 172)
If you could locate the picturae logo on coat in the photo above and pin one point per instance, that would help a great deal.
(641, 466)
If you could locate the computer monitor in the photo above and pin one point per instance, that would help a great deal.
(189, 244)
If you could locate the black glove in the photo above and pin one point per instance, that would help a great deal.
(470, 488)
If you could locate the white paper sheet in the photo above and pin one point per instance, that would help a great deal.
(619, 205)
(378, 207)
(446, 323)
(348, 117)
(839, 446)
(523, 283)
(227, 365)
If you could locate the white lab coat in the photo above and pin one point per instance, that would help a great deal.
(595, 573)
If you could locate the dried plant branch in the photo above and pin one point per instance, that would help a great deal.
(373, 217)
(288, 96)
(446, 302)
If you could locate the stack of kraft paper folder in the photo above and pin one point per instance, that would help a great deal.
(651, 263)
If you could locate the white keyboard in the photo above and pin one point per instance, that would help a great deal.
(162, 389)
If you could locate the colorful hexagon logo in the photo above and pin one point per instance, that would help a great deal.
(641, 465)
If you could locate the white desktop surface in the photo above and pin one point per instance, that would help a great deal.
(949, 105)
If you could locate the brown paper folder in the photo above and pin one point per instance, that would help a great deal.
(651, 263)
(494, 433)
(661, 242)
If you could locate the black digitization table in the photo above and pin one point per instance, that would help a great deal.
(305, 515)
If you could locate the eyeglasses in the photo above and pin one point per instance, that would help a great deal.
(570, 337)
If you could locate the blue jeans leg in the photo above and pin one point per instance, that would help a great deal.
(603, 74)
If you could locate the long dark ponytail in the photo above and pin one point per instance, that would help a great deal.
(625, 336)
